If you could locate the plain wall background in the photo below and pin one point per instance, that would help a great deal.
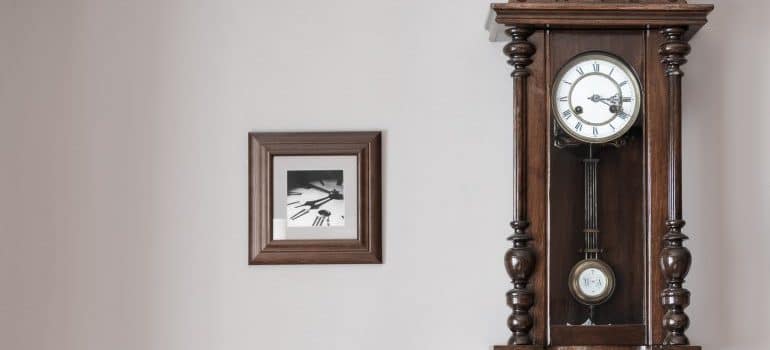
(123, 173)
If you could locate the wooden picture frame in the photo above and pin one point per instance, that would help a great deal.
(363, 247)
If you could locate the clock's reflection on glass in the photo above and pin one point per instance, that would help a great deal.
(315, 198)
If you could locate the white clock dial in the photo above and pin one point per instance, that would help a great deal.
(596, 98)
(592, 282)
(316, 203)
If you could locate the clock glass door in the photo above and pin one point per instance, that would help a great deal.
(596, 186)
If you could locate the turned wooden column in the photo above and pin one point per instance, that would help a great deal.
(675, 258)
(519, 259)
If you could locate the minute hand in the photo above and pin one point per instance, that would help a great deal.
(316, 203)
(319, 188)
(312, 205)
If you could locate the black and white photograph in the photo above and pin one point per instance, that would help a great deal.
(315, 198)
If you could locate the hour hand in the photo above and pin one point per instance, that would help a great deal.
(597, 98)
(614, 99)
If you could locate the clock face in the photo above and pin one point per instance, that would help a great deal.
(592, 282)
(315, 198)
(596, 98)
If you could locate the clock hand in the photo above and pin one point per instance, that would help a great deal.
(595, 98)
(614, 99)
(313, 205)
(318, 188)
(313, 202)
(598, 98)
(613, 104)
(319, 204)
(613, 107)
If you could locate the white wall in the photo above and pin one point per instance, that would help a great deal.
(123, 173)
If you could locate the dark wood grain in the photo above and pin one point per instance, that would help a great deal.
(518, 347)
(675, 258)
(626, 334)
(607, 1)
(365, 249)
(603, 15)
(519, 259)
(597, 347)
(656, 159)
(537, 184)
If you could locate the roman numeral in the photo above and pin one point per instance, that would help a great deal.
(613, 128)
(294, 193)
(612, 70)
(623, 115)
(580, 70)
(623, 83)
(567, 114)
(578, 126)
(563, 99)
(596, 131)
(566, 82)
(319, 220)
(627, 99)
(596, 67)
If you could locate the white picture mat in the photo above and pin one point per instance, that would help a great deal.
(283, 164)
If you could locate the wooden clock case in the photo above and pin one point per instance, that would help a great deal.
(640, 182)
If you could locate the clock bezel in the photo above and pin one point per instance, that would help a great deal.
(620, 63)
(574, 284)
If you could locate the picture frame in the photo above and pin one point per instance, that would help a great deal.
(315, 198)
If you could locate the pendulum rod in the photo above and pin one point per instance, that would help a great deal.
(591, 230)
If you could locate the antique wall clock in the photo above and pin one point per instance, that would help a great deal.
(598, 258)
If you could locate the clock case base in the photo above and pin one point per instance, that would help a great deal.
(597, 347)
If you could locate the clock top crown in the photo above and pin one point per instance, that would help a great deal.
(608, 1)
(600, 14)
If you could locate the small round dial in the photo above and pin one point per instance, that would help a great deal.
(591, 281)
(596, 98)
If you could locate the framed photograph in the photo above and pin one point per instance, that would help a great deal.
(314, 198)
